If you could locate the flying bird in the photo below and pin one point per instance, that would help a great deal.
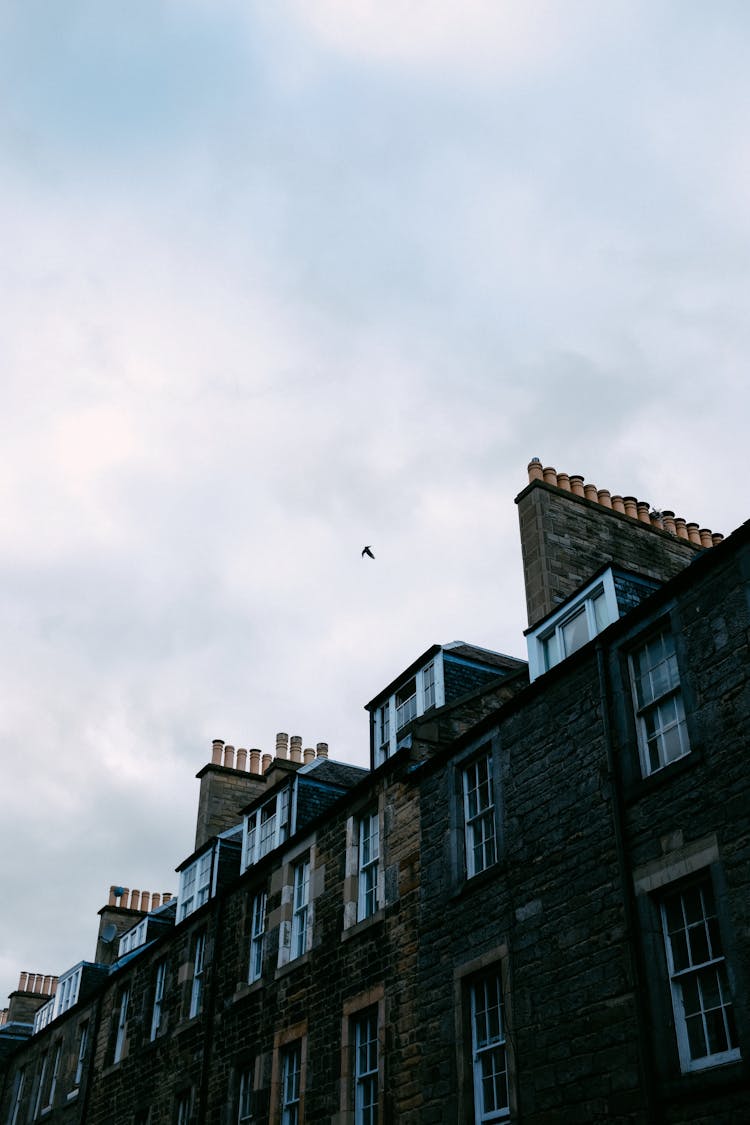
(367, 551)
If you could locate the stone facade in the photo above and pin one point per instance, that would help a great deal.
(529, 855)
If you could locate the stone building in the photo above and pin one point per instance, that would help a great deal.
(533, 907)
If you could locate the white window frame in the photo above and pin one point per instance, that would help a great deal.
(656, 691)
(54, 1076)
(366, 1067)
(384, 724)
(199, 967)
(300, 909)
(45, 1015)
(83, 1046)
(257, 935)
(488, 1046)
(156, 1009)
(408, 707)
(390, 716)
(67, 991)
(291, 1083)
(368, 864)
(480, 815)
(122, 1024)
(429, 686)
(546, 644)
(701, 974)
(18, 1096)
(40, 1088)
(267, 826)
(196, 884)
(245, 1111)
(133, 938)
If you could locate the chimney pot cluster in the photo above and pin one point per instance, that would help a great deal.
(37, 982)
(137, 900)
(255, 762)
(626, 505)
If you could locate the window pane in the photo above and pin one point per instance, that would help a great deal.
(702, 1000)
(479, 814)
(488, 1041)
(575, 632)
(599, 604)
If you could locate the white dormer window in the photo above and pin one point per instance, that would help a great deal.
(383, 722)
(134, 938)
(406, 703)
(267, 827)
(428, 685)
(422, 691)
(573, 626)
(44, 1015)
(195, 885)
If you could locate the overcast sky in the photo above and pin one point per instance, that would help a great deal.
(281, 279)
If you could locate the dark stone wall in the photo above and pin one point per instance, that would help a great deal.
(462, 677)
(631, 591)
(224, 793)
(553, 899)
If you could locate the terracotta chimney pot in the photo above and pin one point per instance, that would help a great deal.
(617, 504)
(576, 484)
(694, 533)
(322, 749)
(228, 762)
(266, 761)
(681, 528)
(241, 761)
(295, 748)
(135, 900)
(563, 481)
(643, 507)
(717, 538)
(308, 754)
(604, 498)
(217, 747)
(155, 900)
(534, 469)
(630, 506)
(668, 518)
(255, 761)
(112, 900)
(706, 537)
(657, 520)
(591, 492)
(550, 475)
(282, 744)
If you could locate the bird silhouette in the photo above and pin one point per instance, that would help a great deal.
(367, 551)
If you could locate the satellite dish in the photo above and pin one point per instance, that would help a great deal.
(109, 933)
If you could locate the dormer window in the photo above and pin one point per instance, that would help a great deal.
(384, 729)
(195, 885)
(406, 703)
(267, 827)
(574, 625)
(428, 685)
(133, 938)
(423, 689)
(67, 991)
